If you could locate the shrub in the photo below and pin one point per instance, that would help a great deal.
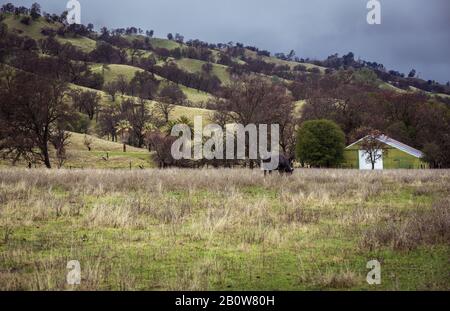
(320, 143)
(26, 20)
(421, 228)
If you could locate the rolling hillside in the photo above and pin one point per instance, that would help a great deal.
(183, 65)
(113, 71)
(195, 66)
(179, 111)
(103, 155)
(187, 64)
(81, 211)
(33, 30)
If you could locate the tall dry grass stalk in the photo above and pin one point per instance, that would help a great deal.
(192, 229)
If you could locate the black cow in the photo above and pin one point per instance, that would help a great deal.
(284, 165)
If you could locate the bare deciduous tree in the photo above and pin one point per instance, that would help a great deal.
(254, 100)
(373, 147)
(111, 89)
(169, 96)
(86, 101)
(30, 108)
(60, 141)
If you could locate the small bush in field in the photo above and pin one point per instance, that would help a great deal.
(422, 227)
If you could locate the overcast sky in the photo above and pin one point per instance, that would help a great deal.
(413, 33)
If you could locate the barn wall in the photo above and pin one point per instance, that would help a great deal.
(397, 159)
(351, 158)
(394, 159)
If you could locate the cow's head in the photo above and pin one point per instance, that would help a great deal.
(289, 170)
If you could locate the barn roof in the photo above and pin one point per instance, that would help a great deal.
(396, 144)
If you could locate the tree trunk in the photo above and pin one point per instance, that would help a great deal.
(124, 147)
(44, 147)
(44, 151)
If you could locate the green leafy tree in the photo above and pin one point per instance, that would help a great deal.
(320, 143)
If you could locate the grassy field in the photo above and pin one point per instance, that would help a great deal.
(103, 155)
(194, 96)
(195, 65)
(80, 157)
(224, 229)
(33, 30)
(113, 71)
(85, 44)
(190, 112)
(164, 43)
(281, 62)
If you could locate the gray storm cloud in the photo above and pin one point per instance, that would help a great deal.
(413, 33)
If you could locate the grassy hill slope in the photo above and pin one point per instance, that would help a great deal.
(33, 30)
(104, 155)
(80, 157)
(189, 112)
(195, 66)
(85, 44)
(113, 71)
(277, 61)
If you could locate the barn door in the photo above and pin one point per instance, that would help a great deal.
(364, 165)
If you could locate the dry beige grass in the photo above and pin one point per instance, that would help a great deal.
(222, 229)
(419, 228)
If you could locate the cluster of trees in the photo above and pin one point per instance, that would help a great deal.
(26, 14)
(63, 62)
(347, 99)
(247, 100)
(287, 57)
(353, 100)
(399, 80)
(255, 65)
(129, 120)
(199, 81)
(250, 100)
(200, 53)
(71, 64)
(321, 143)
(33, 114)
(137, 113)
(36, 113)
(194, 49)
(336, 62)
(72, 30)
(394, 77)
